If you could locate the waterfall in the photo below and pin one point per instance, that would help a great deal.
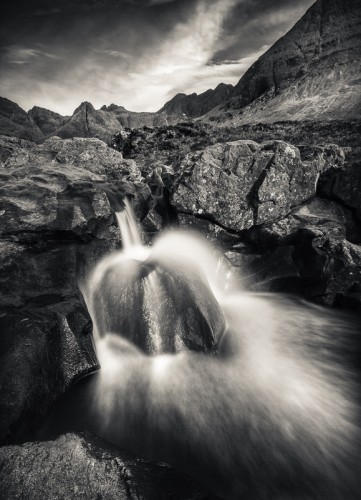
(268, 407)
(128, 227)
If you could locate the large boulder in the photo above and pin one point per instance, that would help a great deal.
(243, 184)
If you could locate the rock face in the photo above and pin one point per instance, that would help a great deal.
(243, 184)
(47, 121)
(15, 122)
(310, 73)
(56, 221)
(76, 466)
(88, 122)
(288, 216)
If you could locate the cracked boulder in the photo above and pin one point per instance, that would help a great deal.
(77, 466)
(242, 184)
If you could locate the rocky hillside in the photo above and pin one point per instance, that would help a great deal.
(86, 121)
(40, 123)
(313, 72)
(15, 122)
(131, 119)
(47, 121)
(191, 106)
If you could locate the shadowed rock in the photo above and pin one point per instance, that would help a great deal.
(56, 222)
(77, 466)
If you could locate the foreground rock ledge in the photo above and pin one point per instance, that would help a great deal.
(81, 466)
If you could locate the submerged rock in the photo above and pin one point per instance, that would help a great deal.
(77, 466)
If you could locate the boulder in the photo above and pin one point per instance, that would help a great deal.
(81, 466)
(243, 184)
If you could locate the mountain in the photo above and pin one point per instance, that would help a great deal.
(194, 105)
(313, 72)
(47, 121)
(15, 122)
(132, 119)
(86, 121)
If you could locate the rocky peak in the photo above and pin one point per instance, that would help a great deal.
(195, 105)
(310, 73)
(113, 107)
(47, 121)
(16, 122)
(86, 121)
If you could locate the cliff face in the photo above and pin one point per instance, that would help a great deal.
(310, 73)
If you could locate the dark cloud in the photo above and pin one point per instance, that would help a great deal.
(252, 24)
(138, 53)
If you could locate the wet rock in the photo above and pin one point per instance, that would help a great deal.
(243, 184)
(330, 266)
(77, 466)
(161, 307)
(56, 223)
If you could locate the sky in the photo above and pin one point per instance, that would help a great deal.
(134, 53)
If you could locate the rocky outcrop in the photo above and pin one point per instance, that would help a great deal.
(288, 216)
(77, 466)
(15, 122)
(57, 203)
(86, 121)
(47, 121)
(56, 220)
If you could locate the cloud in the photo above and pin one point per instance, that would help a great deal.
(135, 53)
(23, 55)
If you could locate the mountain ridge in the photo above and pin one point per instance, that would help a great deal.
(311, 73)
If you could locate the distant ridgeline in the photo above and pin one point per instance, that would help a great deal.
(311, 73)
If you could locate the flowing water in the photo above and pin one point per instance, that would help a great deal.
(267, 408)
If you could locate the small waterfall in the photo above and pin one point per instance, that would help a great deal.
(155, 296)
(128, 227)
(132, 247)
(275, 414)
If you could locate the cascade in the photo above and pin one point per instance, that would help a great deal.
(252, 394)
